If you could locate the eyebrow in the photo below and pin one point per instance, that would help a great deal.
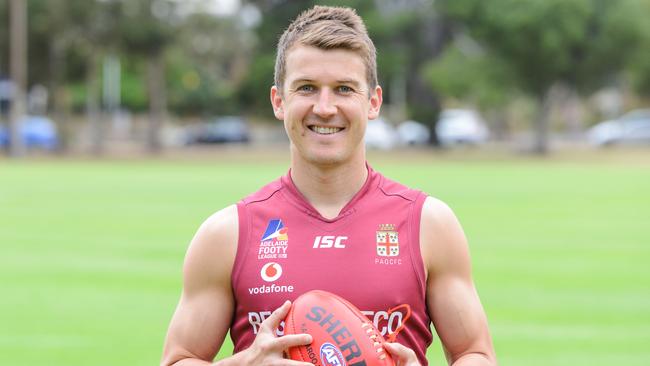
(301, 81)
(352, 82)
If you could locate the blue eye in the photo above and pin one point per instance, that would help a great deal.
(306, 88)
(344, 89)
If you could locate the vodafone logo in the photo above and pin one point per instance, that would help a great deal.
(271, 272)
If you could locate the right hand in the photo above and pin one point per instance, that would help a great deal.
(268, 349)
(403, 356)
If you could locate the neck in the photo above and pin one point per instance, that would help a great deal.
(328, 188)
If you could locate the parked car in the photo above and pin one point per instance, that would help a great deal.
(35, 131)
(461, 127)
(380, 135)
(229, 129)
(413, 133)
(631, 128)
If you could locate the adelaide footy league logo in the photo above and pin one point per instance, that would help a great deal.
(387, 241)
(271, 272)
(275, 241)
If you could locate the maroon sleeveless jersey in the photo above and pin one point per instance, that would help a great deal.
(369, 255)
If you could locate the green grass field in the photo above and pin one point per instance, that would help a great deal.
(91, 253)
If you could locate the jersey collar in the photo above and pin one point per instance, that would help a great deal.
(295, 197)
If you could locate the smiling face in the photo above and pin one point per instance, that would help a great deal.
(325, 105)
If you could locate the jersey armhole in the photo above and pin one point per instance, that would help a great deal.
(242, 240)
(416, 255)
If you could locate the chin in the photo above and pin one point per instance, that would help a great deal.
(326, 159)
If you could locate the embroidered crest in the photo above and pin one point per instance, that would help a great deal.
(387, 241)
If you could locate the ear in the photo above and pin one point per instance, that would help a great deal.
(277, 103)
(375, 103)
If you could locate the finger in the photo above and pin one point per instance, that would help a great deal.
(273, 321)
(400, 352)
(293, 340)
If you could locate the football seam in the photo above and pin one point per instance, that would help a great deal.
(363, 318)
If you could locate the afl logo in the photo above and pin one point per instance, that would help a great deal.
(331, 356)
(271, 272)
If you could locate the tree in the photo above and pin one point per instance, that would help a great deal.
(61, 40)
(465, 72)
(579, 43)
(408, 34)
(638, 66)
(207, 64)
(18, 71)
(145, 30)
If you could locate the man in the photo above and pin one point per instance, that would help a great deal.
(331, 223)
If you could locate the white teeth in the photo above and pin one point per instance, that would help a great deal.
(325, 130)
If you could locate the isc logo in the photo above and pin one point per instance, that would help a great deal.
(330, 241)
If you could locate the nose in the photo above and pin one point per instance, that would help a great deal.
(325, 106)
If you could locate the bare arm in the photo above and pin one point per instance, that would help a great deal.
(204, 312)
(452, 300)
(202, 317)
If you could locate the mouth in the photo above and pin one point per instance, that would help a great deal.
(322, 130)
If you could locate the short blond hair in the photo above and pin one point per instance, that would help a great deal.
(327, 28)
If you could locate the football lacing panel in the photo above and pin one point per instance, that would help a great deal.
(374, 336)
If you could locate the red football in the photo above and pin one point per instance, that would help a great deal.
(342, 335)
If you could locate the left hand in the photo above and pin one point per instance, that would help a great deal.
(403, 356)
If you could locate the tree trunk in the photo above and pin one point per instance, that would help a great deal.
(93, 113)
(573, 114)
(57, 60)
(541, 124)
(18, 71)
(57, 76)
(157, 101)
(500, 131)
(424, 105)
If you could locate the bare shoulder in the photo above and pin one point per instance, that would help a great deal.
(436, 211)
(442, 240)
(452, 300)
(212, 251)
